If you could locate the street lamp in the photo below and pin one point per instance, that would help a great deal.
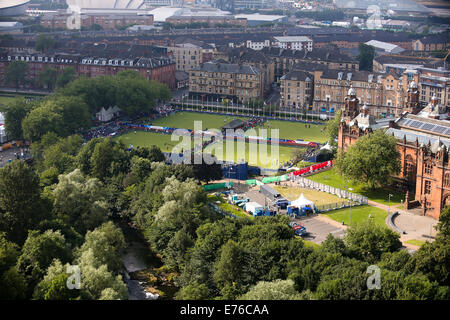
(389, 206)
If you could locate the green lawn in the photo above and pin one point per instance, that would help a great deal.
(185, 120)
(311, 244)
(287, 129)
(332, 178)
(250, 152)
(297, 130)
(147, 139)
(359, 214)
(4, 100)
(415, 242)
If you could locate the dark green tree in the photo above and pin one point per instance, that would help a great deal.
(365, 57)
(16, 73)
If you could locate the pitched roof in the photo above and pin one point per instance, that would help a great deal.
(229, 68)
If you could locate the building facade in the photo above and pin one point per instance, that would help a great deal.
(158, 69)
(301, 43)
(423, 141)
(215, 81)
(296, 89)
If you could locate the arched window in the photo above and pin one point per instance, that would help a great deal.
(447, 180)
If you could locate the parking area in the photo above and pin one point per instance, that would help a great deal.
(317, 229)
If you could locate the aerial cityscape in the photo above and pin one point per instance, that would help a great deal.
(224, 150)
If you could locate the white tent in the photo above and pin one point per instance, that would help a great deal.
(326, 147)
(302, 202)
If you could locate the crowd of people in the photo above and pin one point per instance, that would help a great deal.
(105, 130)
(253, 122)
(164, 110)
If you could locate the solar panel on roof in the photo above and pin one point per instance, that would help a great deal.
(428, 126)
(415, 124)
(439, 129)
(447, 132)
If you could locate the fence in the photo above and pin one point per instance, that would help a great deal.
(336, 206)
(306, 183)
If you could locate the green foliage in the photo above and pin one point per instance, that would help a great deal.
(332, 128)
(21, 206)
(365, 57)
(275, 290)
(44, 42)
(65, 77)
(373, 159)
(15, 112)
(369, 241)
(54, 284)
(194, 291)
(47, 78)
(80, 201)
(38, 253)
(16, 73)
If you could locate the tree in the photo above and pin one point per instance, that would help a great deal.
(67, 75)
(15, 112)
(365, 57)
(21, 207)
(12, 283)
(39, 251)
(44, 42)
(443, 226)
(54, 284)
(369, 241)
(80, 202)
(16, 73)
(275, 290)
(42, 120)
(332, 128)
(62, 115)
(104, 243)
(47, 78)
(194, 291)
(373, 159)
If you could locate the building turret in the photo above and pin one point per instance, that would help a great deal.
(412, 102)
(351, 108)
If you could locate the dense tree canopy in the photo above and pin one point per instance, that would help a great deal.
(372, 160)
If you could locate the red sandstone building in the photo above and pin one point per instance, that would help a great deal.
(423, 141)
(158, 69)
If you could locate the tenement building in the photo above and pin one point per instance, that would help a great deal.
(296, 89)
(423, 141)
(384, 94)
(159, 69)
(215, 81)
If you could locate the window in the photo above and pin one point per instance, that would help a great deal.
(428, 168)
(427, 187)
(447, 180)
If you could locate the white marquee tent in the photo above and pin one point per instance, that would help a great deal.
(302, 202)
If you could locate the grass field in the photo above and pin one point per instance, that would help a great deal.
(415, 242)
(296, 130)
(288, 130)
(5, 100)
(250, 152)
(359, 214)
(147, 139)
(332, 178)
(318, 197)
